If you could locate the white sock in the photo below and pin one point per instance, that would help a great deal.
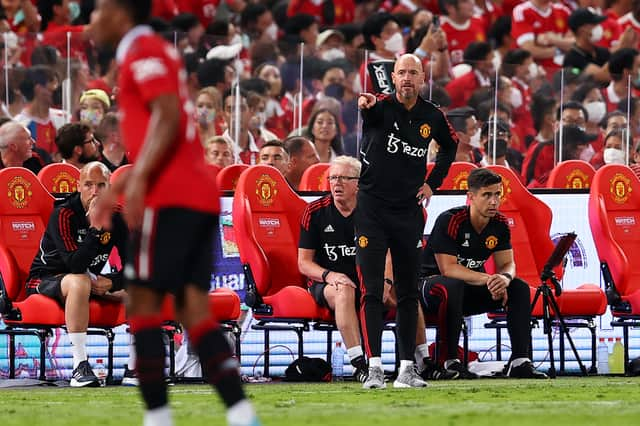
(375, 361)
(160, 416)
(354, 352)
(422, 352)
(448, 362)
(78, 347)
(404, 364)
(131, 363)
(518, 361)
(241, 413)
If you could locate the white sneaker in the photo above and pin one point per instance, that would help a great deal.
(375, 380)
(409, 378)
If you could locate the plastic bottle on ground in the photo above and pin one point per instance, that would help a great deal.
(101, 371)
(337, 363)
(603, 357)
(617, 357)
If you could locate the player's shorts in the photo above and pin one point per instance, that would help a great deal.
(50, 286)
(316, 289)
(173, 248)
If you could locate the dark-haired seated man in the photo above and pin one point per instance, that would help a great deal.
(462, 240)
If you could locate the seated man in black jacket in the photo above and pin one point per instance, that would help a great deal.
(73, 252)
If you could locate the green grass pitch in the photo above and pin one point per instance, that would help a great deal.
(564, 401)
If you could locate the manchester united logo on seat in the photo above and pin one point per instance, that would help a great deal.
(64, 182)
(491, 242)
(460, 181)
(506, 189)
(577, 179)
(19, 192)
(425, 131)
(266, 190)
(619, 188)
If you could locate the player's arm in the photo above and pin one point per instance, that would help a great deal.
(447, 139)
(311, 269)
(538, 51)
(64, 232)
(449, 267)
(506, 270)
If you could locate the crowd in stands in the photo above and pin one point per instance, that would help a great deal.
(524, 83)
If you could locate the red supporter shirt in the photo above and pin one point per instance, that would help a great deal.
(149, 68)
(344, 10)
(629, 21)
(461, 36)
(461, 89)
(165, 9)
(205, 10)
(528, 22)
(611, 31)
(56, 35)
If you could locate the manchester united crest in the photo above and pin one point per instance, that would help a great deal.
(266, 190)
(425, 131)
(506, 189)
(19, 192)
(577, 179)
(363, 241)
(64, 182)
(460, 181)
(619, 188)
(105, 238)
(491, 242)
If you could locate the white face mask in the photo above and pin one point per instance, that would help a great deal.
(533, 70)
(516, 98)
(474, 140)
(236, 39)
(596, 111)
(333, 53)
(596, 34)
(496, 61)
(587, 153)
(272, 31)
(613, 156)
(394, 44)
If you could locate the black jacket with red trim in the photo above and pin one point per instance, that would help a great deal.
(70, 246)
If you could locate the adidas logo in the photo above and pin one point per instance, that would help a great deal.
(419, 244)
(465, 244)
(329, 228)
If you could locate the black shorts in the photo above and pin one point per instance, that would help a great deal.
(50, 286)
(173, 248)
(317, 292)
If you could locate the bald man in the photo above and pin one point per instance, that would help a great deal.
(16, 148)
(397, 130)
(74, 249)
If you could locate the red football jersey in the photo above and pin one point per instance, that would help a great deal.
(460, 36)
(528, 22)
(205, 10)
(629, 21)
(149, 68)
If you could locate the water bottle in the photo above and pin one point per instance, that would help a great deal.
(101, 371)
(603, 357)
(337, 362)
(616, 361)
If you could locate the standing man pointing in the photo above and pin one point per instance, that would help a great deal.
(397, 130)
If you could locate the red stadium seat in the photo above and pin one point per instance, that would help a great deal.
(571, 174)
(266, 219)
(530, 223)
(59, 178)
(227, 178)
(457, 177)
(315, 178)
(614, 217)
(23, 218)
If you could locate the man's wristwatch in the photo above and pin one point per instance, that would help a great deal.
(508, 275)
(324, 275)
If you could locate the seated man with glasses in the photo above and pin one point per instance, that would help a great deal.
(326, 255)
(77, 145)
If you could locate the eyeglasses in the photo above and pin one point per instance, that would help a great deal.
(335, 179)
(93, 140)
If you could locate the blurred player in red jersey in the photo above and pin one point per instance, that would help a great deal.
(171, 229)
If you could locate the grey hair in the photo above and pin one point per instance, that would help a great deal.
(9, 131)
(95, 164)
(345, 160)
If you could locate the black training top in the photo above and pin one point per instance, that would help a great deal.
(70, 246)
(394, 149)
(325, 230)
(453, 234)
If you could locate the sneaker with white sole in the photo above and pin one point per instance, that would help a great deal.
(83, 375)
(375, 379)
(130, 377)
(409, 378)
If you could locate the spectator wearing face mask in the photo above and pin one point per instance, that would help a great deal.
(585, 54)
(330, 80)
(503, 154)
(616, 120)
(94, 105)
(614, 148)
(463, 121)
(208, 107)
(276, 119)
(590, 96)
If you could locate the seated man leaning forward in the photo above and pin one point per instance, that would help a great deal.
(74, 249)
(326, 255)
(460, 243)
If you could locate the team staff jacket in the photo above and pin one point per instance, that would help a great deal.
(395, 144)
(70, 246)
(325, 230)
(453, 234)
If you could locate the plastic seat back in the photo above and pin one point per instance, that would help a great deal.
(266, 221)
(315, 178)
(227, 178)
(24, 213)
(530, 222)
(571, 174)
(614, 218)
(60, 178)
(458, 175)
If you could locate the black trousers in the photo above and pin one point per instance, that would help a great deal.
(462, 299)
(400, 229)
